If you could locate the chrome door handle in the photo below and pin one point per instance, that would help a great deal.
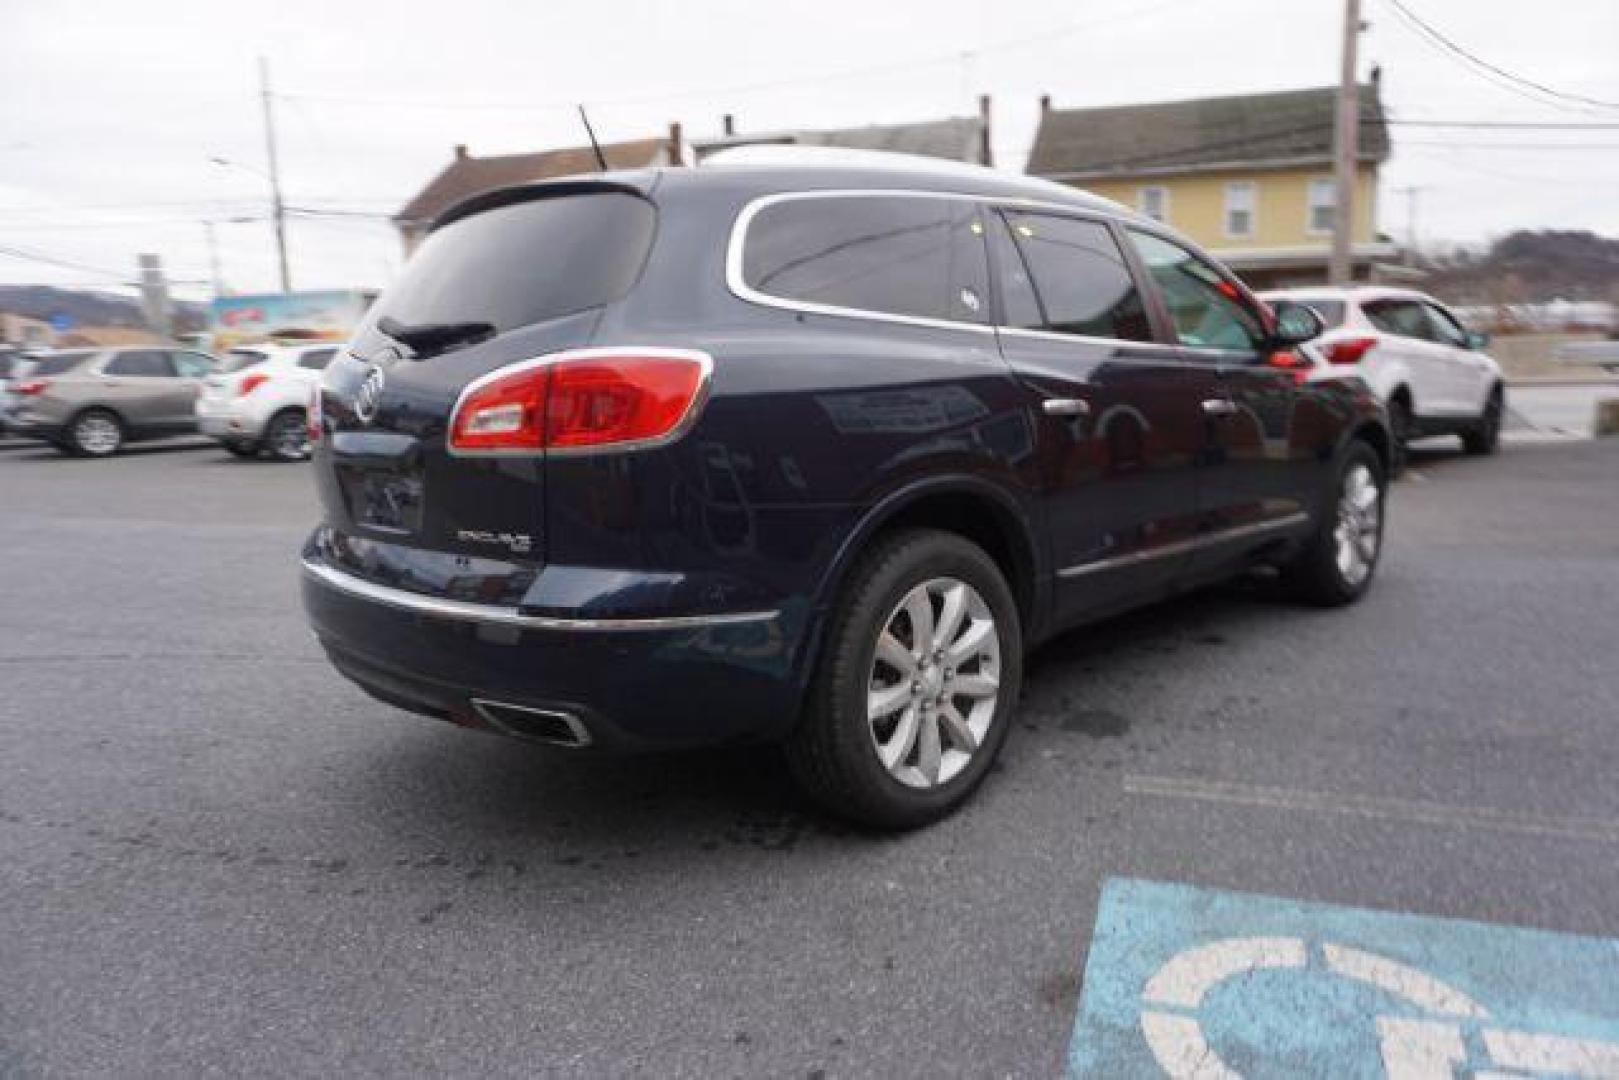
(1058, 406)
(1219, 407)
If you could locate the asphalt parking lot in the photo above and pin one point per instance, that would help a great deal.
(218, 857)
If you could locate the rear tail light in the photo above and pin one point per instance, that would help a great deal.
(251, 383)
(29, 387)
(1349, 350)
(582, 400)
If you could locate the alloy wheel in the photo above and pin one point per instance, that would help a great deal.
(1359, 531)
(97, 434)
(289, 437)
(934, 683)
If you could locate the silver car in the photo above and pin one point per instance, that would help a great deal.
(92, 401)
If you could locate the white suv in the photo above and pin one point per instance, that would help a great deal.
(260, 399)
(1430, 372)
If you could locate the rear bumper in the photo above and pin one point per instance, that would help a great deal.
(228, 424)
(30, 426)
(624, 684)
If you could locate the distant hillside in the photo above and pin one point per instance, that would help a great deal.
(86, 308)
(1530, 267)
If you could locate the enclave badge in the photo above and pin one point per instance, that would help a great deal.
(369, 396)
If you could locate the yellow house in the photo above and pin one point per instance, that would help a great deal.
(1248, 177)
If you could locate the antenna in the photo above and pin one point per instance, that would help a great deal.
(601, 158)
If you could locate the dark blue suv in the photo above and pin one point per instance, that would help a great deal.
(811, 455)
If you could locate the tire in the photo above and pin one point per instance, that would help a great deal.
(286, 436)
(94, 433)
(1400, 425)
(834, 752)
(242, 450)
(1485, 437)
(1334, 567)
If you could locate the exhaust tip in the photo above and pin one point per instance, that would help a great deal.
(547, 726)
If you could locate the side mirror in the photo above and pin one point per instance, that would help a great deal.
(1477, 339)
(1296, 323)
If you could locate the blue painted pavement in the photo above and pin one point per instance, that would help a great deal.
(1192, 982)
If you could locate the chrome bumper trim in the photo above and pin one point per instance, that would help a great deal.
(510, 616)
(1182, 547)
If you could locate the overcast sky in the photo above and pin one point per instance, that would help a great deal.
(111, 110)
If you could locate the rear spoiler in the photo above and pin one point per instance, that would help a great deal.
(639, 184)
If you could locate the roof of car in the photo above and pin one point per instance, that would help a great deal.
(837, 170)
(1357, 293)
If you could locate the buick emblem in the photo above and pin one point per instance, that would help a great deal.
(369, 396)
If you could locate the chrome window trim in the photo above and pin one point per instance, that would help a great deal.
(1182, 547)
(705, 364)
(1088, 339)
(467, 611)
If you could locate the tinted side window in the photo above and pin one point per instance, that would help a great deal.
(1080, 277)
(60, 363)
(893, 254)
(1208, 311)
(1020, 306)
(1403, 317)
(145, 362)
(193, 365)
(316, 359)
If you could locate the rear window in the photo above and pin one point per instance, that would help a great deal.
(522, 264)
(61, 363)
(899, 255)
(240, 360)
(1331, 311)
(316, 359)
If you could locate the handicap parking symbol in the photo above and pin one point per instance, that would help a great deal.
(1202, 984)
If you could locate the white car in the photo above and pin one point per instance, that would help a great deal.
(1430, 372)
(259, 401)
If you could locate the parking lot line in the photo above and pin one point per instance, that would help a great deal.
(1417, 811)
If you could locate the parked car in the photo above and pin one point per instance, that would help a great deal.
(807, 454)
(259, 400)
(14, 365)
(92, 401)
(1432, 373)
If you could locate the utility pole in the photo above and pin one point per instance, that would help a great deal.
(155, 305)
(1411, 192)
(278, 207)
(213, 258)
(1346, 149)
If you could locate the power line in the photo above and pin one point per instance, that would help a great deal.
(955, 56)
(1462, 145)
(39, 257)
(1502, 76)
(1506, 125)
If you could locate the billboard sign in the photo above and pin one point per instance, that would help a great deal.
(328, 315)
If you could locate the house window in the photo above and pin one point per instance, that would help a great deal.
(1153, 202)
(1323, 206)
(1239, 208)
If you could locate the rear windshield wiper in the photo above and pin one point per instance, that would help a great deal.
(435, 337)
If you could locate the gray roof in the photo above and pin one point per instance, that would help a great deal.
(959, 138)
(1207, 133)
